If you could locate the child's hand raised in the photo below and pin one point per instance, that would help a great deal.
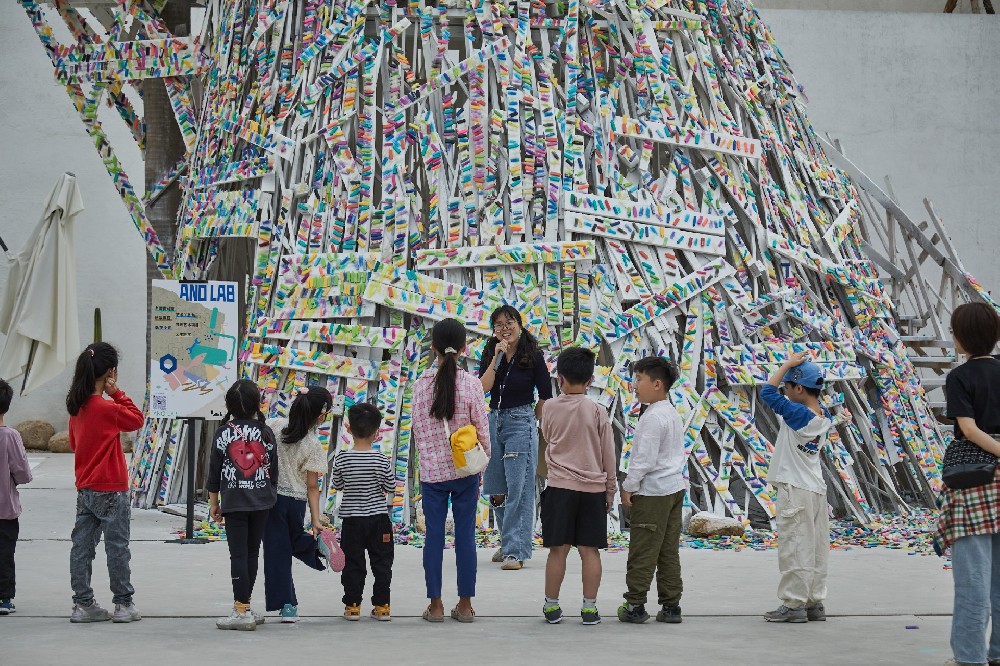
(111, 383)
(797, 358)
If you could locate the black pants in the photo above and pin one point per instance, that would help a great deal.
(284, 538)
(8, 541)
(372, 534)
(244, 532)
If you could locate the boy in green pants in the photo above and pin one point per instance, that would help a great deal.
(653, 489)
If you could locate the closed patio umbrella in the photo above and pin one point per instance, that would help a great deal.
(38, 312)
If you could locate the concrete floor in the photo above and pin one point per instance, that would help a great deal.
(886, 607)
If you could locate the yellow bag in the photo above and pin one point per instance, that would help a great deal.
(467, 453)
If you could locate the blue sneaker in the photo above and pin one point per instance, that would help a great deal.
(6, 607)
(590, 616)
(289, 614)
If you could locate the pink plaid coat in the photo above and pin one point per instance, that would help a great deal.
(436, 464)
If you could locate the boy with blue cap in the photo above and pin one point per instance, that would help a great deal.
(797, 476)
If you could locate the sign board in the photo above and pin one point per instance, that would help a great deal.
(194, 346)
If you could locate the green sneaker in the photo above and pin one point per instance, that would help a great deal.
(590, 616)
(637, 615)
(289, 614)
(553, 614)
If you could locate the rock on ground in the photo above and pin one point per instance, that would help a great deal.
(59, 442)
(35, 434)
(705, 524)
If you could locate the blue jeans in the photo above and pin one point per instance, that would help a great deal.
(464, 495)
(975, 562)
(285, 537)
(511, 472)
(97, 512)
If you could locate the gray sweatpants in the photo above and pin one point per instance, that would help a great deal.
(803, 545)
(97, 512)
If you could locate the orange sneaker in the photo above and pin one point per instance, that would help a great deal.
(352, 612)
(381, 613)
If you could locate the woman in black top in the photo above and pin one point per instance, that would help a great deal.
(512, 369)
(969, 519)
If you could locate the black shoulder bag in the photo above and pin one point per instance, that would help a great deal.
(967, 465)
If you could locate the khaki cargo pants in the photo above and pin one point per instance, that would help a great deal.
(803, 545)
(654, 542)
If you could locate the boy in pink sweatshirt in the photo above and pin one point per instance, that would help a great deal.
(581, 484)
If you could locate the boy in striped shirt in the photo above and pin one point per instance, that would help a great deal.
(364, 475)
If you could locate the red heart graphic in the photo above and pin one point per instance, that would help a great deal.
(247, 456)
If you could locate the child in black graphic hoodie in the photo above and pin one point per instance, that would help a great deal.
(244, 468)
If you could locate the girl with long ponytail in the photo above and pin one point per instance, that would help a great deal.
(301, 459)
(102, 500)
(446, 393)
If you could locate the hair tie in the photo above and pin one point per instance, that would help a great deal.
(450, 350)
(302, 391)
(91, 352)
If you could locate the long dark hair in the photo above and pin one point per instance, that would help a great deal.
(448, 339)
(308, 405)
(97, 359)
(243, 402)
(527, 344)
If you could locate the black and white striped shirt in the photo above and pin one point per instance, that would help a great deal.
(364, 477)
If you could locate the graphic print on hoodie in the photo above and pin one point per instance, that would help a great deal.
(244, 466)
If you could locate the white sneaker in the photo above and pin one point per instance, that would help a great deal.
(237, 621)
(126, 613)
(258, 618)
(91, 613)
(511, 563)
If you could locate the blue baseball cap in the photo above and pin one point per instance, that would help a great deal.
(806, 374)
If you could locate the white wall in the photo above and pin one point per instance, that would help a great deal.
(914, 97)
(41, 136)
(911, 95)
(927, 6)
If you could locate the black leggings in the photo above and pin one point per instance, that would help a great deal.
(244, 532)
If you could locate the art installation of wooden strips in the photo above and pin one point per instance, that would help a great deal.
(638, 178)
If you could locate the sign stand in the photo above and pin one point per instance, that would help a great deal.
(191, 462)
(193, 359)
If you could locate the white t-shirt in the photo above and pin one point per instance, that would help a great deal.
(294, 460)
(801, 438)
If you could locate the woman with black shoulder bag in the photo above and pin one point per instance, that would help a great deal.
(969, 518)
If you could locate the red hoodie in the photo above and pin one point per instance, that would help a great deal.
(95, 437)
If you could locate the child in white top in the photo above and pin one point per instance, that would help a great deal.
(797, 476)
(301, 459)
(653, 490)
